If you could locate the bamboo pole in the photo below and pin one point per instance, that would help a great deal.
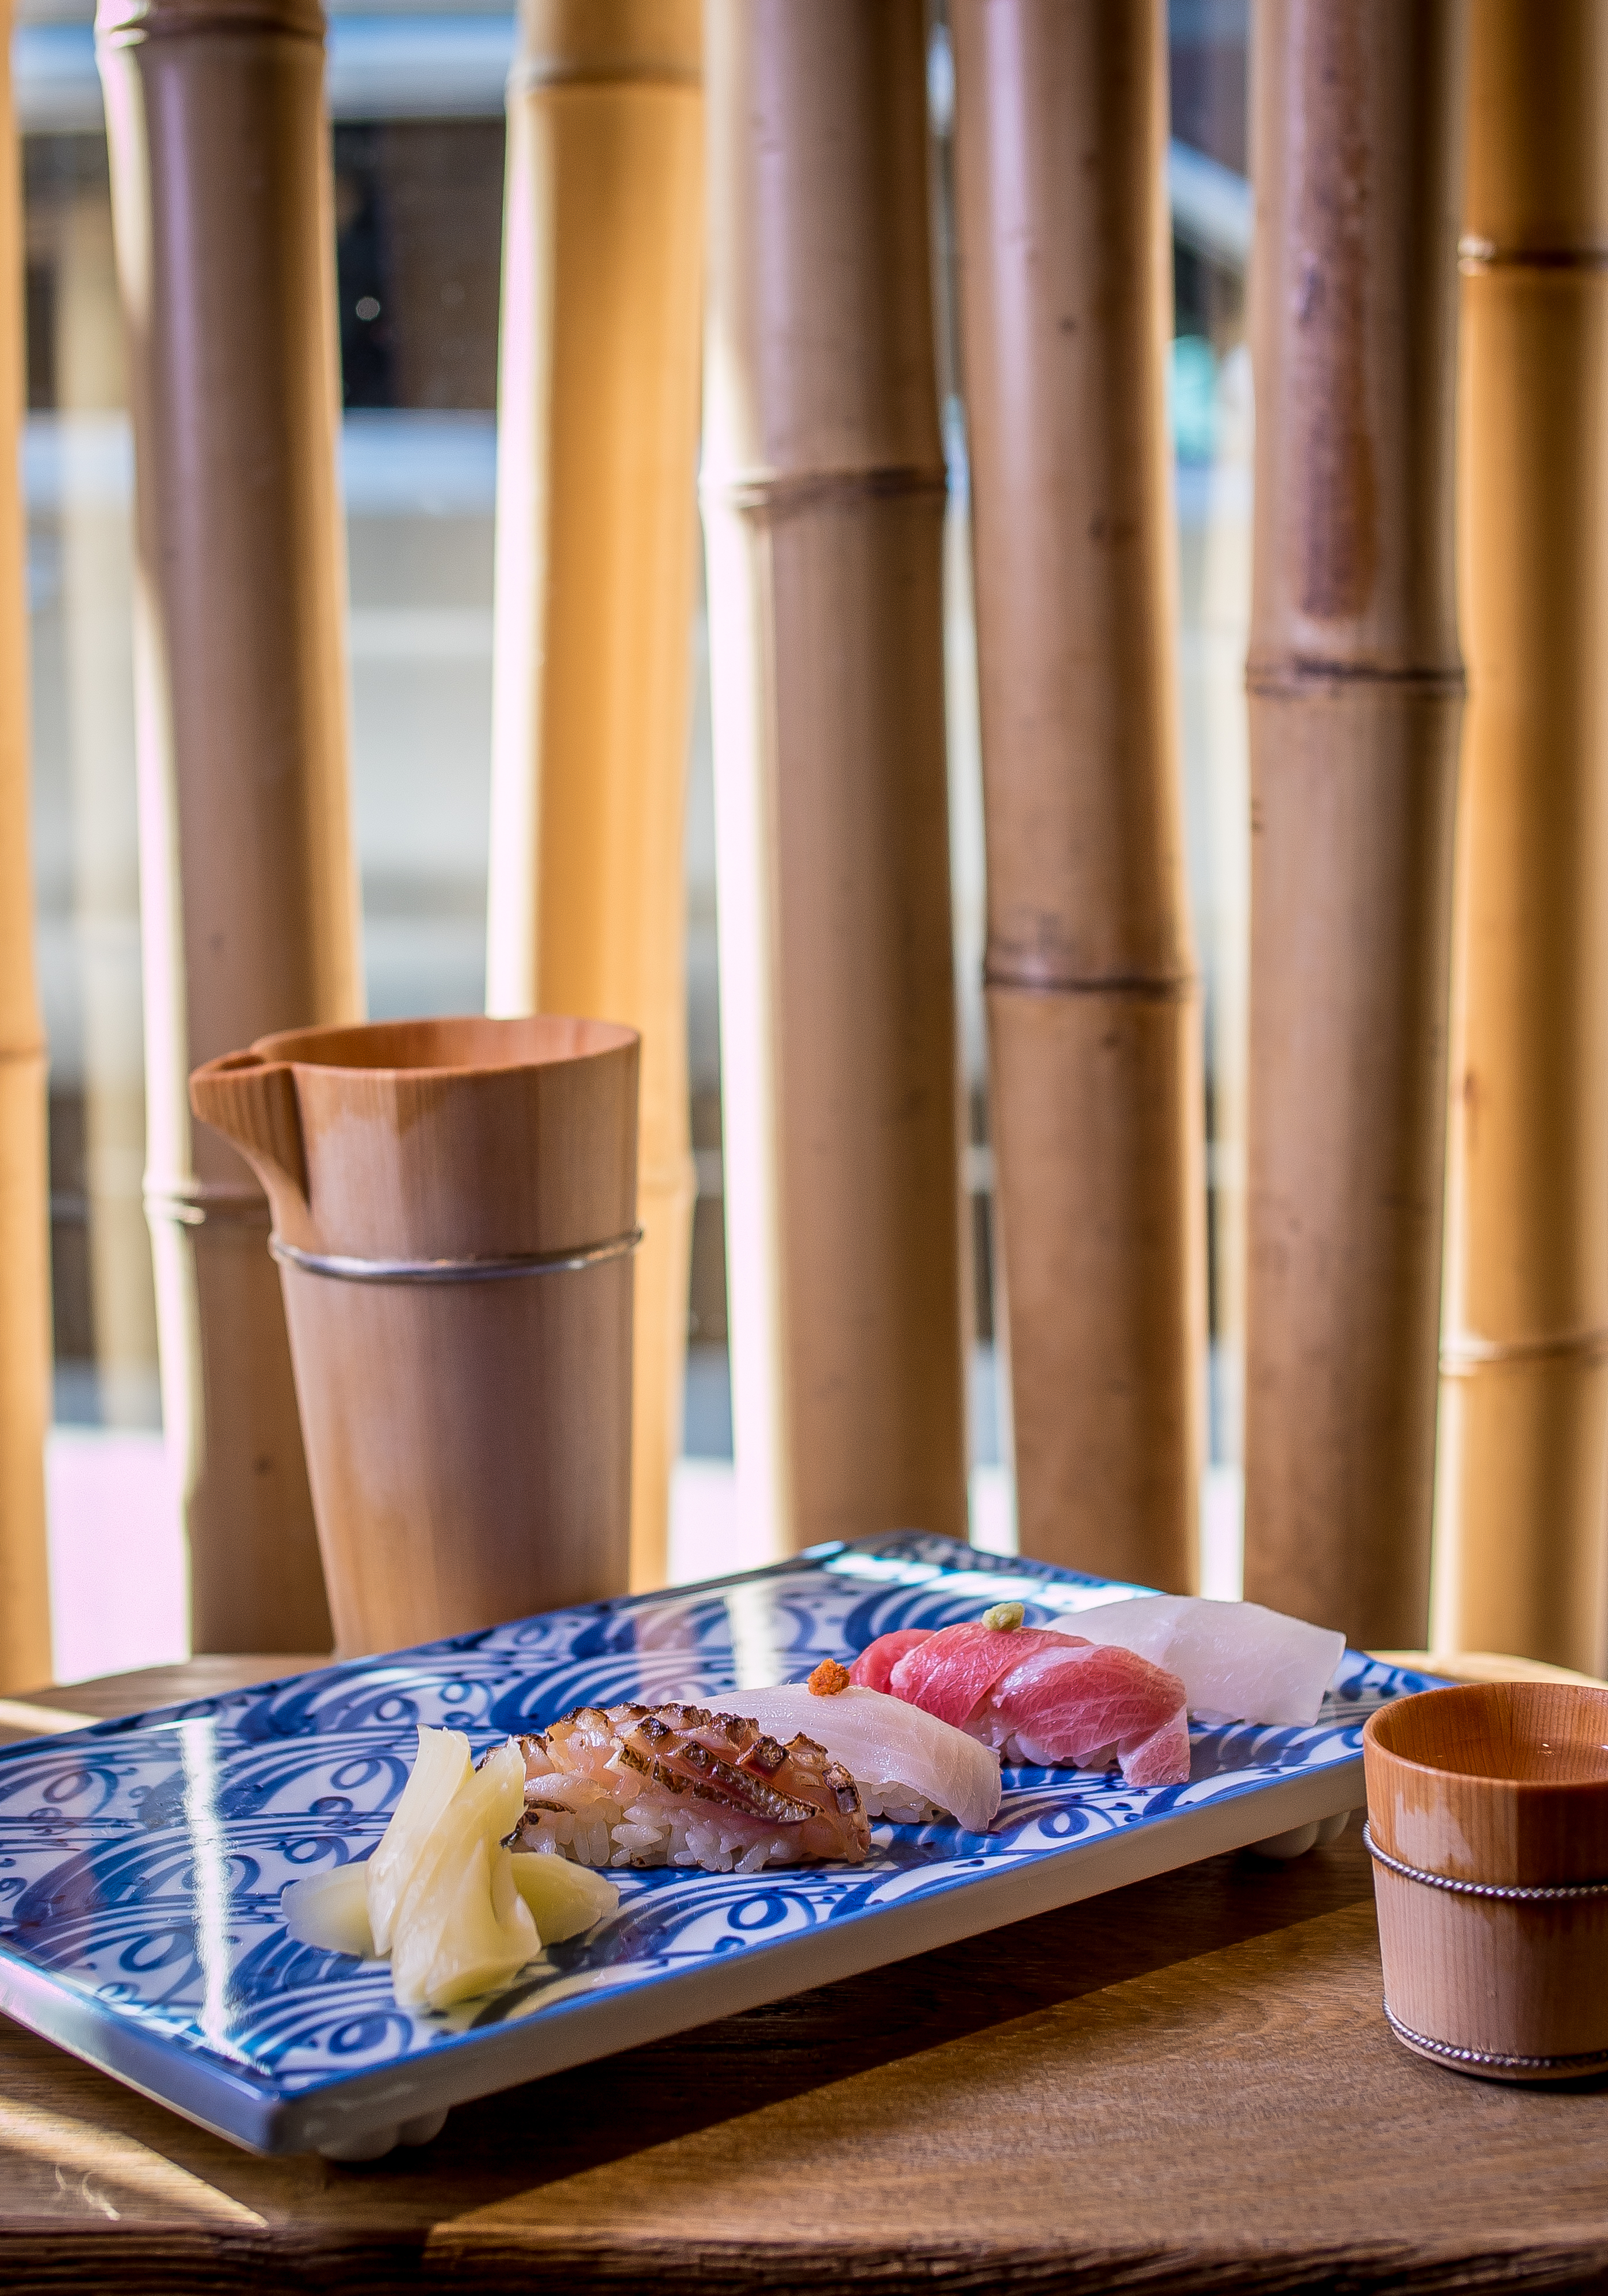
(222, 207)
(98, 634)
(25, 1657)
(823, 504)
(1522, 1536)
(1355, 689)
(1094, 1023)
(596, 542)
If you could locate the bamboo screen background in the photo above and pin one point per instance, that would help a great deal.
(418, 202)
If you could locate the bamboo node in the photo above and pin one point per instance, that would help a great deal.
(1476, 256)
(1462, 1357)
(1044, 980)
(782, 493)
(193, 1203)
(1296, 675)
(132, 23)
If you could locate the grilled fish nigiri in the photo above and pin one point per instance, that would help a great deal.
(899, 1756)
(683, 1785)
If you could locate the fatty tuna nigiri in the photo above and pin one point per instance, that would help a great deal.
(1068, 1705)
(1238, 1662)
(872, 1667)
(1040, 1696)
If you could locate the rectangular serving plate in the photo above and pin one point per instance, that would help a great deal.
(141, 1861)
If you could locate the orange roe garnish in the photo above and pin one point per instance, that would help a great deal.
(828, 1678)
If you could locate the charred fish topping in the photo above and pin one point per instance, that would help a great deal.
(845, 1791)
(765, 1755)
(667, 1756)
(641, 1762)
(749, 1792)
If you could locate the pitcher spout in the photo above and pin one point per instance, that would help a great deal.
(253, 1103)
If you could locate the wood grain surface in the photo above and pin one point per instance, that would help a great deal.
(112, 1694)
(1186, 2085)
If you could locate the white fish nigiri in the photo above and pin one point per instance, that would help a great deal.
(1239, 1662)
(882, 1741)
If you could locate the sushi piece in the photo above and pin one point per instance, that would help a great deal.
(1036, 1695)
(908, 1766)
(681, 1785)
(951, 1673)
(1070, 1704)
(1239, 1662)
(874, 1666)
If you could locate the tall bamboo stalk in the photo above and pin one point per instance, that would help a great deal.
(824, 502)
(596, 541)
(24, 1184)
(225, 253)
(1355, 701)
(1522, 1539)
(98, 639)
(1094, 1023)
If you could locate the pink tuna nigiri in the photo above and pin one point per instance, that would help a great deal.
(873, 1665)
(1067, 1705)
(1039, 1696)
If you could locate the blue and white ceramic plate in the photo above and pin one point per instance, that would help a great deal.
(141, 1861)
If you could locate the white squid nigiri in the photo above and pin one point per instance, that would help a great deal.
(1239, 1662)
(882, 1741)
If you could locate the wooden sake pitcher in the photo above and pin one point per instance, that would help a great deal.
(454, 1211)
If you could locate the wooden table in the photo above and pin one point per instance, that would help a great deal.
(1186, 2085)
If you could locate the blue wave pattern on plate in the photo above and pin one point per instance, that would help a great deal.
(141, 1862)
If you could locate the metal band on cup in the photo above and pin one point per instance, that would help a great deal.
(1593, 2061)
(348, 1270)
(1481, 1889)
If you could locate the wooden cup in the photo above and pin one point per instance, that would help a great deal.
(455, 1210)
(1488, 1820)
